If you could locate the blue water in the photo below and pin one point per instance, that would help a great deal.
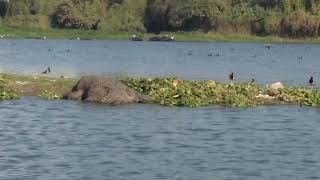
(185, 60)
(73, 140)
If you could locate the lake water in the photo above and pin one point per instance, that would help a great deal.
(72, 140)
(145, 59)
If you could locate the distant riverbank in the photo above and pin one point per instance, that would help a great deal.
(32, 33)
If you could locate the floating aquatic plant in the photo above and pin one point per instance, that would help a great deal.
(302, 96)
(7, 95)
(176, 92)
(50, 95)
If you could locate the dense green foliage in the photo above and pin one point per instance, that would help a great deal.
(50, 95)
(109, 15)
(293, 18)
(175, 92)
(7, 95)
(302, 96)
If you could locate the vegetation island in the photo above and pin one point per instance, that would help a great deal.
(169, 91)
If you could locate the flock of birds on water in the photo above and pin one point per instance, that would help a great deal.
(268, 46)
(232, 76)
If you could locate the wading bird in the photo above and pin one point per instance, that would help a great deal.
(232, 76)
(311, 81)
(47, 71)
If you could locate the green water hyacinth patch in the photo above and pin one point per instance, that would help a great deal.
(49, 95)
(176, 92)
(8, 95)
(302, 96)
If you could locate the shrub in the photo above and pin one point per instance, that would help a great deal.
(272, 24)
(197, 14)
(82, 14)
(18, 7)
(23, 7)
(156, 16)
(34, 21)
(301, 24)
(127, 16)
(3, 8)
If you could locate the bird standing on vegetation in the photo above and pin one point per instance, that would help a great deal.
(232, 76)
(253, 80)
(311, 81)
(47, 71)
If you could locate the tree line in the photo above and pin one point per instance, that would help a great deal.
(293, 18)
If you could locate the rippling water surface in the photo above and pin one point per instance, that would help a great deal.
(72, 140)
(186, 60)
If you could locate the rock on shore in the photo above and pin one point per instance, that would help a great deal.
(104, 90)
